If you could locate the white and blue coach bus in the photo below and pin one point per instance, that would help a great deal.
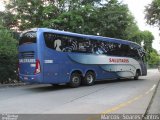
(54, 57)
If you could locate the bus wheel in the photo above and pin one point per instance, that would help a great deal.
(75, 80)
(137, 75)
(89, 78)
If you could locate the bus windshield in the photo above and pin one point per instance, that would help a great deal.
(28, 37)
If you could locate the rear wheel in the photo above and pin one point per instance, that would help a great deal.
(89, 78)
(75, 80)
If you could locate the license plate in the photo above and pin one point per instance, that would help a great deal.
(25, 78)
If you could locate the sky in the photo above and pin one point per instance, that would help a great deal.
(137, 9)
(1, 5)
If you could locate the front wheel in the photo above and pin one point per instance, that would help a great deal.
(136, 76)
(75, 80)
(89, 78)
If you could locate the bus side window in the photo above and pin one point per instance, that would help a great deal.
(124, 50)
(106, 47)
(134, 54)
(84, 45)
(89, 46)
(99, 47)
(69, 44)
(49, 40)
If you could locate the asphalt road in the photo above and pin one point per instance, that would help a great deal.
(123, 96)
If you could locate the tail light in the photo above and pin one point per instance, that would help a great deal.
(38, 67)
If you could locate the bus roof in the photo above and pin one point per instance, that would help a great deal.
(93, 37)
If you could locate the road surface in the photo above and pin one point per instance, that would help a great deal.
(123, 96)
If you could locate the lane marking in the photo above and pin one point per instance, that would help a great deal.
(151, 89)
(129, 101)
(124, 104)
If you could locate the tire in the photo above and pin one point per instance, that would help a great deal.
(89, 79)
(75, 80)
(136, 76)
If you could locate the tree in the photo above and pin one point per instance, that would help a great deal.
(132, 30)
(152, 13)
(110, 19)
(8, 56)
(113, 19)
(42, 13)
(143, 36)
(154, 58)
(88, 17)
(147, 38)
(27, 14)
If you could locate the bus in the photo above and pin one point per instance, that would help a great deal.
(56, 57)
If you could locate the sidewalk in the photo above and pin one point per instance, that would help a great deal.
(155, 104)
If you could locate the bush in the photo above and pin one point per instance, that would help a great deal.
(8, 56)
(154, 59)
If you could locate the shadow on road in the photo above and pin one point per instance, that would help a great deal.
(47, 88)
(116, 80)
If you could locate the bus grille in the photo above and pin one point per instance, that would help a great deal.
(29, 54)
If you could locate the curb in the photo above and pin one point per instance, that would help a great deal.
(151, 101)
(13, 85)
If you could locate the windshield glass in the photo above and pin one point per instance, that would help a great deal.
(28, 37)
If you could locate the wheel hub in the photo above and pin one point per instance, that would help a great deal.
(89, 78)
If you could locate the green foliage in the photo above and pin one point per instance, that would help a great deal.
(152, 13)
(154, 58)
(138, 37)
(143, 36)
(147, 38)
(8, 56)
(132, 30)
(89, 17)
(113, 19)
